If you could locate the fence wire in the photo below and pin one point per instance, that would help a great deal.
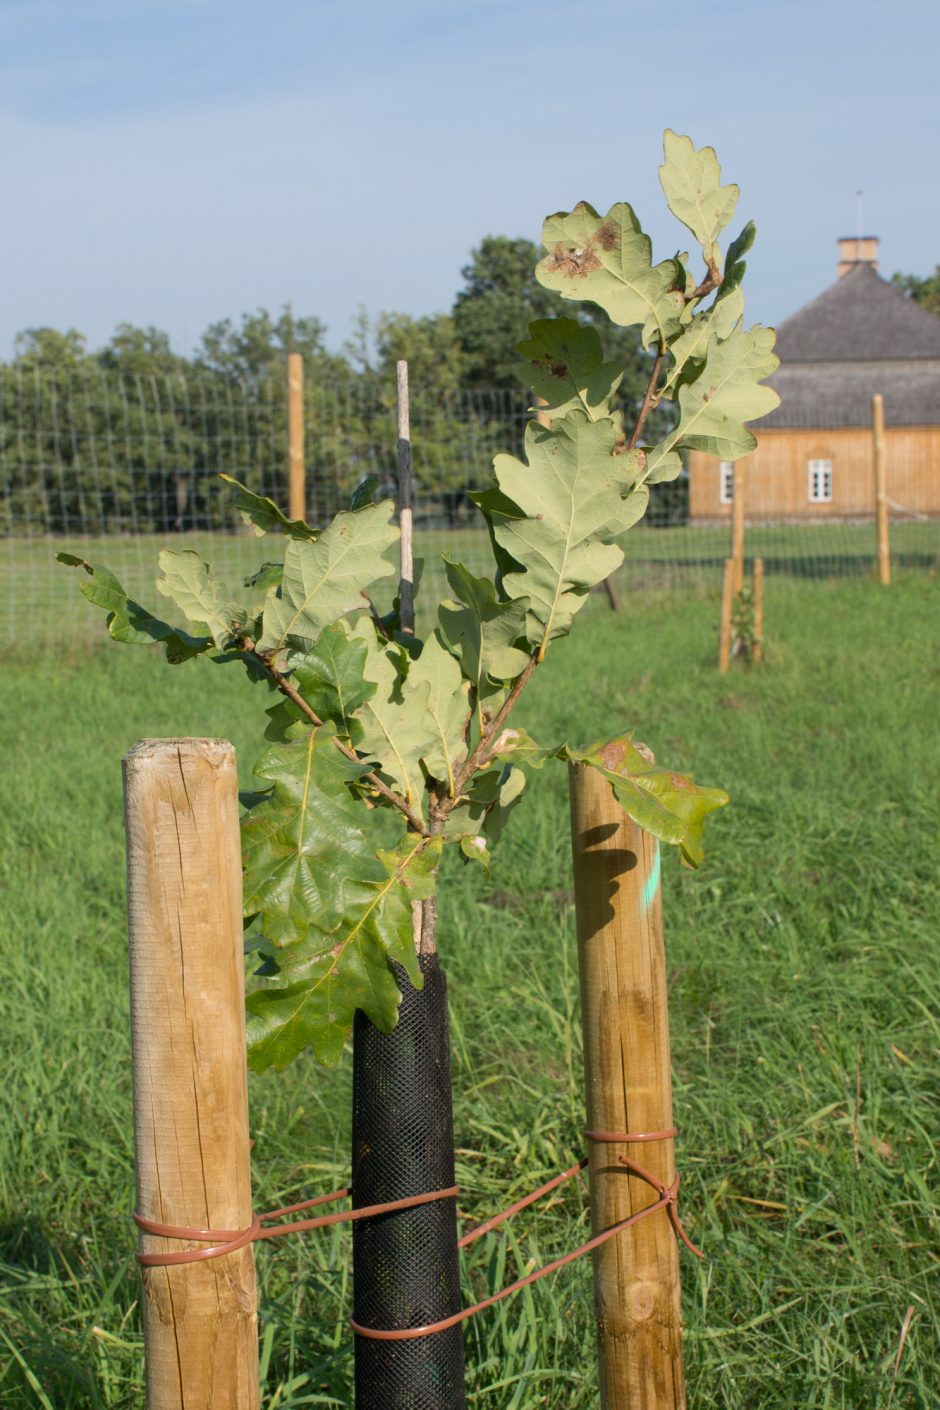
(113, 468)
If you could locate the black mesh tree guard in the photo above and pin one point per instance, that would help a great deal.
(405, 1265)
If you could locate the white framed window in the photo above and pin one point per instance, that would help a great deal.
(820, 482)
(726, 482)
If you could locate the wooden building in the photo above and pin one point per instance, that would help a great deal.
(814, 457)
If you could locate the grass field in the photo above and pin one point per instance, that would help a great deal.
(803, 960)
(38, 597)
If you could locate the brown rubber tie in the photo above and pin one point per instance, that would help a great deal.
(223, 1241)
(668, 1197)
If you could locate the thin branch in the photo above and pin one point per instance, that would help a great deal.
(483, 750)
(284, 685)
(647, 405)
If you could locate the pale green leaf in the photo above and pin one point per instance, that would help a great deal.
(189, 582)
(576, 496)
(128, 621)
(397, 726)
(691, 181)
(607, 261)
(726, 392)
(691, 347)
(264, 514)
(325, 579)
(447, 706)
(566, 367)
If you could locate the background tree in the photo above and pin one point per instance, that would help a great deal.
(925, 292)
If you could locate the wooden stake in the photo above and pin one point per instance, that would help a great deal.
(737, 527)
(627, 1074)
(758, 655)
(184, 893)
(881, 489)
(542, 417)
(295, 437)
(406, 587)
(724, 629)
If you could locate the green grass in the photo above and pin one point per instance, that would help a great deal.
(804, 1022)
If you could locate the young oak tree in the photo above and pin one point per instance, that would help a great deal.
(385, 748)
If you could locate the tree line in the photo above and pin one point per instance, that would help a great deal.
(130, 437)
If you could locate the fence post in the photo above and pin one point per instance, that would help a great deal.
(297, 472)
(724, 627)
(627, 1075)
(881, 489)
(737, 527)
(758, 654)
(184, 892)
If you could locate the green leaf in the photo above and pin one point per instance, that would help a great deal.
(328, 578)
(577, 497)
(264, 514)
(482, 630)
(691, 347)
(447, 707)
(128, 621)
(362, 494)
(726, 393)
(566, 367)
(335, 909)
(666, 804)
(188, 581)
(330, 676)
(397, 726)
(608, 261)
(717, 397)
(735, 264)
(691, 180)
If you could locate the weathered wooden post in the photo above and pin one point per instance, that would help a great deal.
(737, 527)
(724, 628)
(296, 466)
(629, 1090)
(758, 653)
(184, 893)
(881, 489)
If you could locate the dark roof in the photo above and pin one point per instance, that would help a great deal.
(831, 394)
(860, 318)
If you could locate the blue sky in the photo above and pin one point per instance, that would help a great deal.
(174, 163)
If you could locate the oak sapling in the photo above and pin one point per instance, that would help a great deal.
(385, 748)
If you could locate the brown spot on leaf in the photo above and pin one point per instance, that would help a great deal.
(606, 236)
(558, 369)
(573, 260)
(613, 754)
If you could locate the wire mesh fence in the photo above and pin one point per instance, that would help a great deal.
(112, 468)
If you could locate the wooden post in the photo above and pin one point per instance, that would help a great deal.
(184, 893)
(881, 489)
(737, 527)
(724, 629)
(758, 655)
(297, 470)
(541, 416)
(627, 1074)
(406, 585)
